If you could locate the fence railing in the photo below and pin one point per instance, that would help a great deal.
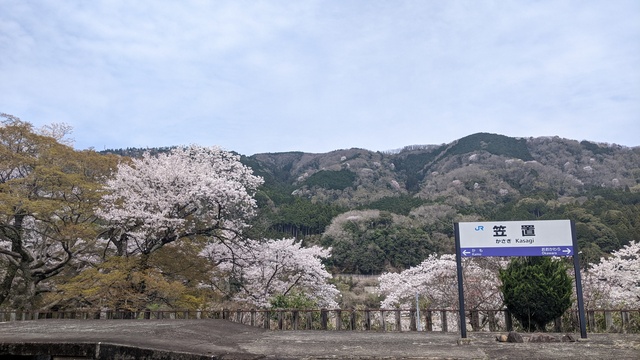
(443, 320)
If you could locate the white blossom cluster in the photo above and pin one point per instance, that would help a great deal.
(193, 190)
(615, 281)
(435, 280)
(273, 267)
(42, 252)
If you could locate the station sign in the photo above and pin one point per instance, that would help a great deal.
(516, 238)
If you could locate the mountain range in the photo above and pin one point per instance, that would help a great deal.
(479, 167)
(404, 201)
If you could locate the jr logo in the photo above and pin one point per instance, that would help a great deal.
(479, 228)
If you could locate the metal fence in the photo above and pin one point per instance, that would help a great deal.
(443, 320)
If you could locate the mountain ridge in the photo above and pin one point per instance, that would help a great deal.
(564, 161)
(382, 211)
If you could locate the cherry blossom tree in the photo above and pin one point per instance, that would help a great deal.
(256, 272)
(436, 281)
(595, 291)
(191, 191)
(616, 280)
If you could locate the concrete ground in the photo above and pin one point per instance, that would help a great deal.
(220, 339)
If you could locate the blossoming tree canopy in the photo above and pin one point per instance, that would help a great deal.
(618, 277)
(435, 280)
(256, 272)
(190, 191)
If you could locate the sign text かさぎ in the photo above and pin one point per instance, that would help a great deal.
(516, 238)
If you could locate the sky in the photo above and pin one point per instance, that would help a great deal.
(317, 76)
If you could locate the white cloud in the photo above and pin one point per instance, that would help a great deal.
(317, 76)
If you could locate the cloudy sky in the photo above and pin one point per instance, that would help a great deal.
(316, 76)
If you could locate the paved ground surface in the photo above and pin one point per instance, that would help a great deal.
(219, 339)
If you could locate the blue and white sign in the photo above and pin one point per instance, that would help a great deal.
(516, 238)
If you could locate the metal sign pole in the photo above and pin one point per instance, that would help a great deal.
(576, 268)
(463, 322)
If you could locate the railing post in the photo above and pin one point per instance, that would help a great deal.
(624, 317)
(338, 319)
(367, 319)
(445, 325)
(239, 316)
(383, 323)
(280, 320)
(353, 319)
(253, 317)
(493, 324)
(323, 319)
(412, 320)
(267, 319)
(475, 320)
(294, 319)
(608, 321)
(508, 322)
(557, 324)
(398, 320)
(309, 316)
(591, 320)
(429, 320)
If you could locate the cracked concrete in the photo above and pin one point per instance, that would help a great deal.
(220, 339)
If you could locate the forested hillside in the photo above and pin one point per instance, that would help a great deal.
(199, 227)
(389, 210)
(383, 211)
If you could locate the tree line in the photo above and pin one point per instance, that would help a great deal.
(196, 227)
(80, 229)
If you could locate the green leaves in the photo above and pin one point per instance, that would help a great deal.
(536, 290)
(375, 241)
(332, 180)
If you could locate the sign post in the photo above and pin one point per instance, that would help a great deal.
(517, 238)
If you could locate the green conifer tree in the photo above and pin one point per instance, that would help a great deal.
(536, 290)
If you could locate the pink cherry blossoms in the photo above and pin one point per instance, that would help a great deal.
(191, 191)
(615, 281)
(436, 281)
(264, 269)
